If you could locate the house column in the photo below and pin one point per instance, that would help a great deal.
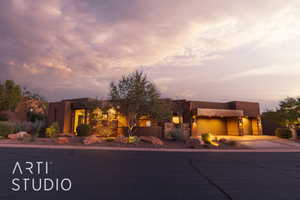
(194, 127)
(240, 126)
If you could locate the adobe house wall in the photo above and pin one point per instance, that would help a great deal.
(61, 113)
(251, 109)
(20, 113)
(204, 104)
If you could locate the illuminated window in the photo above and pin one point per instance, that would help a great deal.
(176, 119)
(79, 118)
(148, 123)
(105, 116)
(112, 114)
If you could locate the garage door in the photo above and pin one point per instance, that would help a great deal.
(215, 126)
(247, 126)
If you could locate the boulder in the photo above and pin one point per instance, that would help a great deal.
(19, 135)
(152, 139)
(157, 141)
(121, 139)
(22, 135)
(63, 140)
(194, 142)
(66, 135)
(92, 139)
(12, 136)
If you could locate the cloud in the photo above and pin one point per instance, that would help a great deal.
(266, 71)
(74, 48)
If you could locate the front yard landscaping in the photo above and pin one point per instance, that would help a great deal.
(34, 134)
(120, 141)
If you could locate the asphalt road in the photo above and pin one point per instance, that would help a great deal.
(154, 175)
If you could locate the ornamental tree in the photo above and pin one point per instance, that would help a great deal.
(287, 115)
(135, 96)
(289, 110)
(10, 95)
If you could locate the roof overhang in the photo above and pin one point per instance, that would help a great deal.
(205, 112)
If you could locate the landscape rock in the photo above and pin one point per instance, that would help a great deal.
(12, 136)
(152, 139)
(63, 140)
(92, 139)
(19, 135)
(66, 135)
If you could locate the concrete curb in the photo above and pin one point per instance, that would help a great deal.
(69, 147)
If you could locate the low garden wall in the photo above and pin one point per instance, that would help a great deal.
(184, 128)
(144, 131)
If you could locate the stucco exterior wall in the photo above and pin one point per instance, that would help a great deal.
(61, 113)
(220, 125)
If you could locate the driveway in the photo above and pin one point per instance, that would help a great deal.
(264, 142)
(158, 175)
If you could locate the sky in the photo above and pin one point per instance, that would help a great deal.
(208, 50)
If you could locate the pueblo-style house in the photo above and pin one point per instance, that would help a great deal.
(231, 118)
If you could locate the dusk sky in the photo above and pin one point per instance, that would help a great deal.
(207, 50)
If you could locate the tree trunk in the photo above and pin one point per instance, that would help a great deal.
(294, 133)
(132, 122)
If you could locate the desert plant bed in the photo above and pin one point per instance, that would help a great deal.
(78, 141)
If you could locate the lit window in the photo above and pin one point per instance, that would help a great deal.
(105, 116)
(148, 123)
(79, 118)
(176, 119)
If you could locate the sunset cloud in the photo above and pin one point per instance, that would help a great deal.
(208, 50)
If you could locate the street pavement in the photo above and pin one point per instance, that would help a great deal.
(99, 174)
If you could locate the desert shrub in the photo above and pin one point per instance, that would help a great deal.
(53, 130)
(133, 139)
(207, 137)
(34, 116)
(83, 130)
(5, 129)
(283, 133)
(176, 134)
(3, 117)
(22, 126)
(37, 127)
(103, 131)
